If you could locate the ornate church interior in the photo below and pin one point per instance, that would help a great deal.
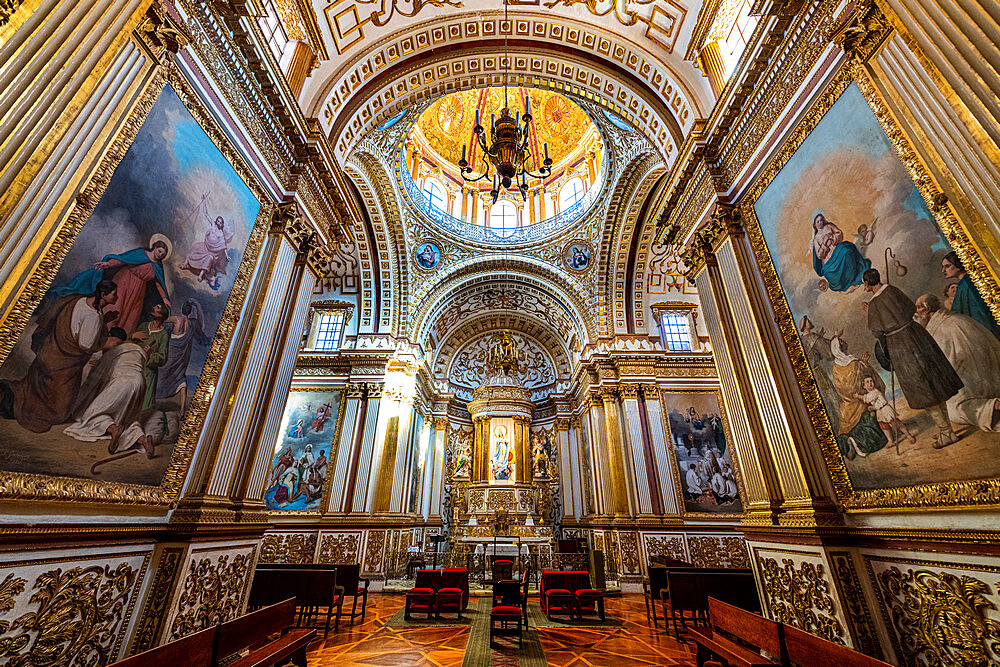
(499, 332)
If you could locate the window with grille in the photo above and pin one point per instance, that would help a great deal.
(503, 217)
(675, 332)
(331, 326)
(273, 29)
(434, 192)
(571, 194)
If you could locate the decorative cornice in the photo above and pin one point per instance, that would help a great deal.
(863, 32)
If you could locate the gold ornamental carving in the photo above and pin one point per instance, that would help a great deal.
(718, 552)
(212, 593)
(669, 547)
(799, 595)
(373, 550)
(628, 544)
(855, 604)
(940, 618)
(863, 32)
(340, 548)
(77, 616)
(154, 615)
(500, 500)
(288, 548)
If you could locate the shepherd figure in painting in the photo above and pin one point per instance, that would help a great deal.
(185, 330)
(837, 262)
(207, 259)
(926, 377)
(139, 276)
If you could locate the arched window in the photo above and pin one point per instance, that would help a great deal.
(435, 195)
(571, 193)
(503, 217)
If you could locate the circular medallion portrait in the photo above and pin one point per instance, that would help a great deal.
(577, 255)
(428, 255)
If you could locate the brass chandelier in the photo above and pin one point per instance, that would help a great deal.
(507, 150)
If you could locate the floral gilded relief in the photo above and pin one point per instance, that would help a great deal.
(288, 548)
(74, 616)
(665, 546)
(939, 617)
(340, 548)
(799, 594)
(724, 552)
(213, 592)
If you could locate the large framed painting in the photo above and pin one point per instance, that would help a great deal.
(303, 451)
(880, 297)
(120, 332)
(705, 473)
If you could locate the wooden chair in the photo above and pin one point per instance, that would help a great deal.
(315, 590)
(254, 630)
(506, 615)
(525, 582)
(738, 637)
(653, 589)
(503, 569)
(353, 585)
(805, 649)
(195, 650)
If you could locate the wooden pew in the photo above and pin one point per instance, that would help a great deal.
(806, 650)
(312, 588)
(254, 631)
(727, 624)
(688, 590)
(195, 650)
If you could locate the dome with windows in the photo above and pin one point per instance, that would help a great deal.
(444, 132)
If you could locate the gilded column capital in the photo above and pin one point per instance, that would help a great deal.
(608, 394)
(562, 424)
(355, 389)
(576, 422)
(158, 31)
(441, 423)
(650, 391)
(629, 391)
(375, 389)
(594, 401)
(861, 34)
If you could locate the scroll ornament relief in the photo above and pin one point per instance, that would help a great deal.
(340, 548)
(941, 618)
(79, 615)
(726, 552)
(800, 596)
(670, 547)
(288, 548)
(212, 593)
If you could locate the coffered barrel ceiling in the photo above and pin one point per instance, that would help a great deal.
(388, 55)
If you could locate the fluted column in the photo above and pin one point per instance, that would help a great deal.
(300, 64)
(541, 201)
(415, 164)
(465, 203)
(616, 461)
(475, 204)
(437, 481)
(522, 448)
(713, 67)
(481, 449)
(639, 479)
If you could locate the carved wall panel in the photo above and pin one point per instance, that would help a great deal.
(288, 548)
(69, 610)
(939, 613)
(154, 614)
(374, 550)
(216, 581)
(661, 544)
(856, 610)
(628, 548)
(797, 588)
(340, 548)
(729, 551)
(469, 367)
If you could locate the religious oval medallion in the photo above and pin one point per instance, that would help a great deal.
(428, 255)
(577, 255)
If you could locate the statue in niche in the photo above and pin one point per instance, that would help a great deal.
(541, 454)
(463, 460)
(502, 461)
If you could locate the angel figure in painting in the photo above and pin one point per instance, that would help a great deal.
(837, 262)
(207, 259)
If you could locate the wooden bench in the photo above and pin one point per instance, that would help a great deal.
(195, 650)
(254, 632)
(688, 590)
(312, 588)
(806, 650)
(738, 637)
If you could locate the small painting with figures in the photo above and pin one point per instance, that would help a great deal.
(577, 255)
(428, 255)
(707, 476)
(302, 452)
(902, 347)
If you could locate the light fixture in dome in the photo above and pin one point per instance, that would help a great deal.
(508, 150)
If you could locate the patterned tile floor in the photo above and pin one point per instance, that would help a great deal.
(371, 643)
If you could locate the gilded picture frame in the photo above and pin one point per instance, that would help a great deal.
(935, 495)
(332, 457)
(40, 487)
(675, 467)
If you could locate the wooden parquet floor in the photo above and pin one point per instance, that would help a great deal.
(372, 643)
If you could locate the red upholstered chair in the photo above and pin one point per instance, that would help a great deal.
(587, 599)
(506, 612)
(456, 578)
(550, 579)
(421, 597)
